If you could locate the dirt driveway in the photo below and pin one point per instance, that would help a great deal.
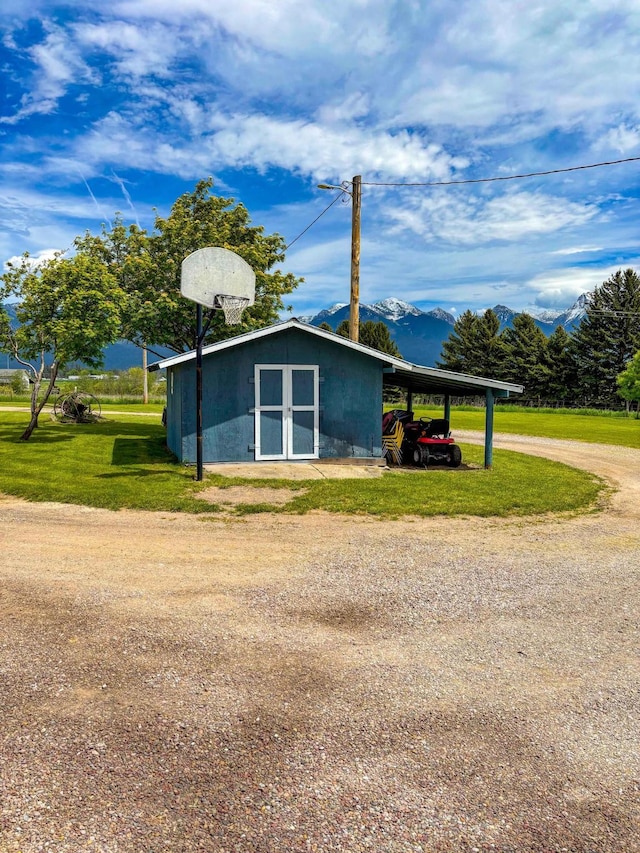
(320, 683)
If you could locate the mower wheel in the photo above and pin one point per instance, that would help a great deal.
(455, 456)
(420, 456)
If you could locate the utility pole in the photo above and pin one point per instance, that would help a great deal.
(356, 207)
(354, 305)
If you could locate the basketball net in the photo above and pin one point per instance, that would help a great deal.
(232, 308)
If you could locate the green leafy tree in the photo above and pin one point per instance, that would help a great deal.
(525, 356)
(474, 345)
(629, 383)
(68, 310)
(19, 382)
(608, 337)
(148, 267)
(325, 326)
(372, 334)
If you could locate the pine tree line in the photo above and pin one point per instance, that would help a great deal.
(573, 370)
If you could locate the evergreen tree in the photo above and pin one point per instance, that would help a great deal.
(324, 325)
(607, 338)
(372, 334)
(460, 351)
(561, 372)
(474, 346)
(525, 356)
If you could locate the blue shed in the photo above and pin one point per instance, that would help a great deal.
(293, 391)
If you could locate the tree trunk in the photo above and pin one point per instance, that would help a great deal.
(37, 408)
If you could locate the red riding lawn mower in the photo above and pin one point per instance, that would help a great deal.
(409, 442)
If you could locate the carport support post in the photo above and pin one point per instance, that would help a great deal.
(409, 400)
(447, 408)
(488, 430)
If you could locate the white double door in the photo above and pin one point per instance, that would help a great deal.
(286, 411)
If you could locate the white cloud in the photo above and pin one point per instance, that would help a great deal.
(577, 250)
(325, 90)
(561, 288)
(58, 64)
(492, 61)
(138, 51)
(34, 260)
(284, 27)
(473, 220)
(263, 142)
(624, 138)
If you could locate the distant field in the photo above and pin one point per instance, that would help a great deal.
(579, 425)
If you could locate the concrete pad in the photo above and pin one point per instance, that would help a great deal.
(314, 470)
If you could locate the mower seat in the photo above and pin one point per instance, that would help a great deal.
(438, 426)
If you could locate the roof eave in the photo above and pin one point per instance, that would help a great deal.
(293, 323)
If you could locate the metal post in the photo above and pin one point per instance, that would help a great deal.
(447, 407)
(199, 337)
(354, 308)
(145, 376)
(488, 430)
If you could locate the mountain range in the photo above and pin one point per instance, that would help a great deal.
(419, 335)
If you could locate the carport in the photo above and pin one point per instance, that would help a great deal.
(417, 379)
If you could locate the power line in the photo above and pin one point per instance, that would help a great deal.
(465, 181)
(339, 196)
(501, 178)
(614, 312)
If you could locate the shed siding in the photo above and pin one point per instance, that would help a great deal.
(174, 410)
(350, 398)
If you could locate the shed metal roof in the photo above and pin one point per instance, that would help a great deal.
(415, 377)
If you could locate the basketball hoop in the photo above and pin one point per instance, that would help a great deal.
(232, 308)
(215, 278)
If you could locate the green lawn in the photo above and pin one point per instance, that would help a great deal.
(122, 462)
(119, 462)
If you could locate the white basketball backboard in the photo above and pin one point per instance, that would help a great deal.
(213, 272)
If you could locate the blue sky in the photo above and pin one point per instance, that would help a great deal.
(124, 106)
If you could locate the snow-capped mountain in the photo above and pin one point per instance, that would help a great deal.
(441, 314)
(573, 316)
(395, 309)
(545, 315)
(569, 317)
(420, 334)
(504, 314)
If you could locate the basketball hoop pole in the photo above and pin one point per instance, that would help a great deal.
(216, 278)
(200, 336)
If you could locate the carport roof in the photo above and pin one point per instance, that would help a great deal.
(431, 380)
(414, 377)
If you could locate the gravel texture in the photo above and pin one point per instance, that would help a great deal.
(320, 683)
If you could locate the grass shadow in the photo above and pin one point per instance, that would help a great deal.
(130, 472)
(137, 451)
(12, 436)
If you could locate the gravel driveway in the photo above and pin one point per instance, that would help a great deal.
(320, 683)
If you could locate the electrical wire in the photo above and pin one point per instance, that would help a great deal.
(465, 181)
(501, 178)
(337, 198)
(613, 312)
